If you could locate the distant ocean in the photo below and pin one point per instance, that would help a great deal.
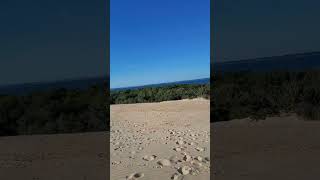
(22, 89)
(290, 62)
(194, 81)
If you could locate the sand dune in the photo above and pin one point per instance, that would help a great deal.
(279, 148)
(167, 140)
(54, 157)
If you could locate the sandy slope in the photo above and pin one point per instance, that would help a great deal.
(279, 148)
(54, 157)
(159, 140)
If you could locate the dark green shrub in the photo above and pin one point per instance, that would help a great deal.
(262, 94)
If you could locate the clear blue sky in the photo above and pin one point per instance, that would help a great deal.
(52, 40)
(258, 28)
(158, 41)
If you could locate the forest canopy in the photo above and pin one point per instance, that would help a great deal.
(54, 111)
(257, 95)
(157, 94)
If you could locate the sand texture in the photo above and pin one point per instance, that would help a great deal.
(158, 141)
(279, 148)
(54, 157)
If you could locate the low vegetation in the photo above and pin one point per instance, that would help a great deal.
(56, 111)
(157, 94)
(257, 95)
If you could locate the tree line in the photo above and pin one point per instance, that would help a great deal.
(157, 94)
(55, 111)
(257, 95)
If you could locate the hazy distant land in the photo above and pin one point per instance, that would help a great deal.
(289, 62)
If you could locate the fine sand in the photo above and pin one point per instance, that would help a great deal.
(158, 141)
(279, 148)
(54, 157)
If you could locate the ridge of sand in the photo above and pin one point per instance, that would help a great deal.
(285, 148)
(166, 140)
(54, 157)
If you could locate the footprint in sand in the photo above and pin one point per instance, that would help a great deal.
(199, 158)
(135, 176)
(164, 162)
(175, 176)
(149, 158)
(185, 170)
(187, 158)
(199, 149)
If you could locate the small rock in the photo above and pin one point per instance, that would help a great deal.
(177, 149)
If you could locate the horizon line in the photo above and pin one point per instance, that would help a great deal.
(53, 81)
(226, 60)
(168, 82)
